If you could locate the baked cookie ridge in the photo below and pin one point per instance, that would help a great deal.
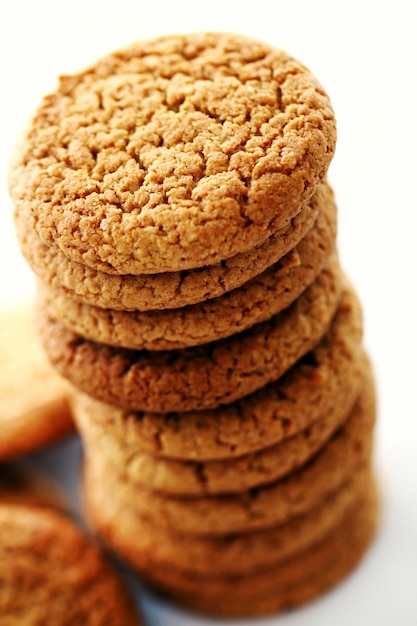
(288, 585)
(167, 290)
(256, 301)
(227, 476)
(147, 544)
(263, 507)
(333, 369)
(200, 377)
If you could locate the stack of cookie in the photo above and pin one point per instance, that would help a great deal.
(173, 202)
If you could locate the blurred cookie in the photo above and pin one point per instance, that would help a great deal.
(263, 507)
(200, 377)
(215, 477)
(199, 477)
(34, 406)
(293, 582)
(50, 572)
(230, 554)
(254, 302)
(174, 153)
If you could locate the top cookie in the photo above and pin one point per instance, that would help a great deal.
(174, 153)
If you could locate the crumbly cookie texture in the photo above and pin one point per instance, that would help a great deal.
(299, 579)
(150, 544)
(168, 290)
(203, 376)
(34, 399)
(254, 302)
(226, 476)
(263, 507)
(174, 153)
(333, 369)
(50, 572)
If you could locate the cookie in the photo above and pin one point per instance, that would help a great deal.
(200, 377)
(169, 290)
(299, 579)
(174, 153)
(195, 478)
(333, 369)
(50, 572)
(263, 507)
(146, 544)
(34, 406)
(254, 302)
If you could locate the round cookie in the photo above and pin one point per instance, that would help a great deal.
(195, 478)
(258, 508)
(34, 399)
(174, 153)
(200, 377)
(333, 369)
(169, 290)
(254, 302)
(50, 573)
(146, 544)
(297, 580)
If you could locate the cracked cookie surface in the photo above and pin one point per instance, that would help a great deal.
(174, 153)
(263, 507)
(199, 377)
(168, 290)
(216, 477)
(298, 579)
(254, 302)
(233, 554)
(333, 369)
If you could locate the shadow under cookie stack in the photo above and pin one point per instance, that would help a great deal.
(173, 202)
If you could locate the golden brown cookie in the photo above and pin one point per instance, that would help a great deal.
(146, 544)
(263, 507)
(291, 583)
(174, 153)
(200, 377)
(34, 406)
(254, 302)
(333, 369)
(234, 475)
(50, 572)
(168, 290)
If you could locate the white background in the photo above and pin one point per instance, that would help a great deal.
(365, 55)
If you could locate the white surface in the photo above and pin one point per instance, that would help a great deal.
(365, 54)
